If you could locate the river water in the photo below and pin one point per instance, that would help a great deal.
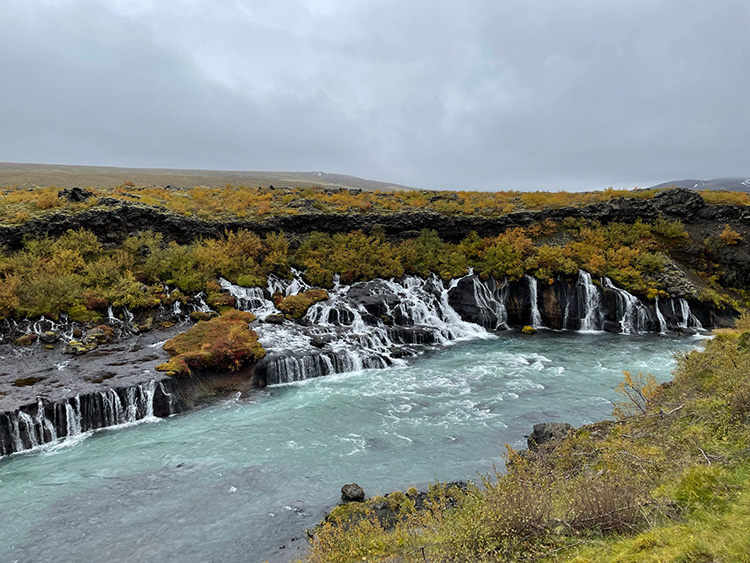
(237, 480)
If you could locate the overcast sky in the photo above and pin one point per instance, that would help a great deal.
(493, 94)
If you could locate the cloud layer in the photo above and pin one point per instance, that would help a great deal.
(460, 95)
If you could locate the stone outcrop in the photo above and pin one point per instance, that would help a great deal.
(547, 432)
(352, 492)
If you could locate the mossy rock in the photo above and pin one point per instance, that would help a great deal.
(202, 315)
(26, 339)
(80, 314)
(295, 306)
(77, 348)
(223, 343)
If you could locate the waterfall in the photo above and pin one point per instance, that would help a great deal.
(199, 303)
(590, 301)
(29, 427)
(660, 317)
(366, 325)
(26, 425)
(43, 423)
(687, 319)
(287, 287)
(111, 319)
(492, 303)
(147, 397)
(73, 417)
(249, 299)
(536, 318)
(632, 315)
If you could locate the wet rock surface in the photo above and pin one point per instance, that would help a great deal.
(546, 432)
(352, 492)
(124, 363)
(49, 394)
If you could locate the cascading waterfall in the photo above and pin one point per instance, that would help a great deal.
(686, 317)
(590, 300)
(660, 317)
(354, 329)
(536, 317)
(492, 301)
(632, 315)
(73, 417)
(31, 427)
(249, 298)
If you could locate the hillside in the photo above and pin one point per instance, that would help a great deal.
(728, 184)
(67, 176)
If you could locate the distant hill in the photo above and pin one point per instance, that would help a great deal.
(729, 184)
(66, 176)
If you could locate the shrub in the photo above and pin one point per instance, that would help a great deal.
(730, 236)
(297, 305)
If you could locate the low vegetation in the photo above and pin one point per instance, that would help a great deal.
(668, 481)
(18, 205)
(223, 343)
(295, 306)
(77, 276)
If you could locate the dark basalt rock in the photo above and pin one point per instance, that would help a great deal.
(466, 300)
(552, 300)
(352, 493)
(74, 194)
(546, 432)
(678, 202)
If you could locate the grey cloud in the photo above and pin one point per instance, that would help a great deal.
(472, 95)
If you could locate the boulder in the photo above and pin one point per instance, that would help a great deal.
(320, 341)
(74, 194)
(98, 335)
(352, 493)
(679, 202)
(26, 339)
(49, 337)
(202, 315)
(76, 348)
(277, 319)
(546, 432)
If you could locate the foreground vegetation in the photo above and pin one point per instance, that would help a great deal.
(668, 481)
(76, 275)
